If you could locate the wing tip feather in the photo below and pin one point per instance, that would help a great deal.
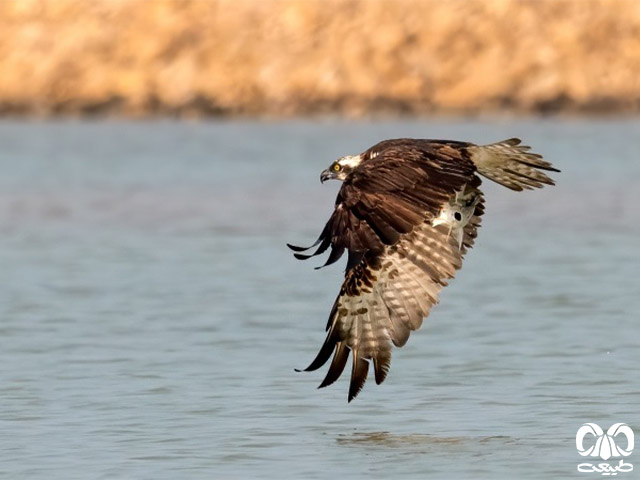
(323, 355)
(381, 365)
(338, 363)
(359, 372)
(296, 248)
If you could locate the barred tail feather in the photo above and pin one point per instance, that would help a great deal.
(511, 164)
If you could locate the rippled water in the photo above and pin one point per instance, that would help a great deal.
(151, 316)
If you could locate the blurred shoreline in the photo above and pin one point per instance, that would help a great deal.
(287, 58)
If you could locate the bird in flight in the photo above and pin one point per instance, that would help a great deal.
(407, 212)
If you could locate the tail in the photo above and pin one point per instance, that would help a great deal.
(511, 164)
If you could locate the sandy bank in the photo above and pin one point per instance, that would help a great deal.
(298, 57)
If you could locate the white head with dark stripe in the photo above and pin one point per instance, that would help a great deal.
(341, 168)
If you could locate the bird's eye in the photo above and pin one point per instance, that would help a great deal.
(336, 167)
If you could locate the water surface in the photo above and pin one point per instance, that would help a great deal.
(151, 316)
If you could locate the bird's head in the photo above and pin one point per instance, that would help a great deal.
(341, 168)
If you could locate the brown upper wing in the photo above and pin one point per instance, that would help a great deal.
(387, 196)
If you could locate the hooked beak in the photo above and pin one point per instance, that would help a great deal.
(326, 175)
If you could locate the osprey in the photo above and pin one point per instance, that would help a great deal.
(406, 213)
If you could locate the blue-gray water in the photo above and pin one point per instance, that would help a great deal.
(151, 316)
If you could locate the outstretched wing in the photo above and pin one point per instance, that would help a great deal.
(389, 195)
(386, 296)
(398, 259)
